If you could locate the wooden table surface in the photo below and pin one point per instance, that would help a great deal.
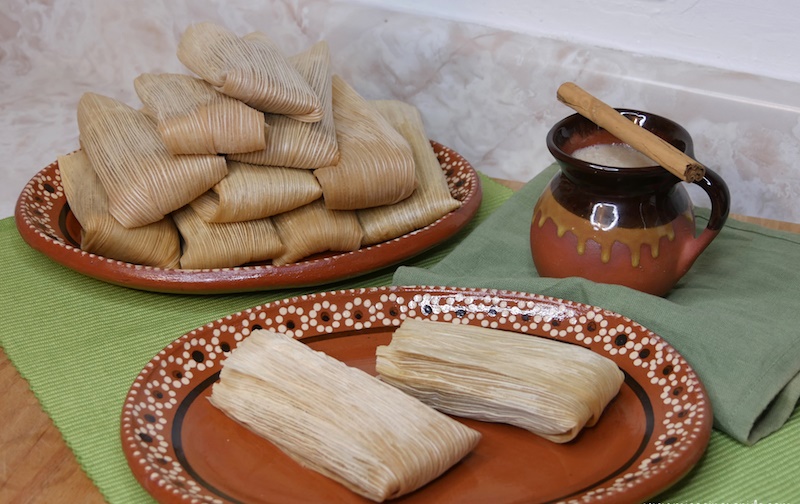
(36, 466)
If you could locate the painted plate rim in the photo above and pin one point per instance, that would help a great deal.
(674, 438)
(42, 217)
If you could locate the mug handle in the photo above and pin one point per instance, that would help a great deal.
(718, 193)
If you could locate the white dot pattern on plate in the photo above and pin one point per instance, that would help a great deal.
(157, 391)
(39, 197)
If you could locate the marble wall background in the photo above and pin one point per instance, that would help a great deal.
(488, 93)
(732, 34)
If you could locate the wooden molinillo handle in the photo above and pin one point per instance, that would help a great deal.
(654, 147)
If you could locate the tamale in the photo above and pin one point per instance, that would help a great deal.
(194, 118)
(313, 228)
(297, 144)
(430, 200)
(376, 164)
(548, 387)
(224, 245)
(143, 181)
(251, 69)
(262, 41)
(253, 192)
(337, 420)
(156, 244)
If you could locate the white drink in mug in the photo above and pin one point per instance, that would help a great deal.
(618, 155)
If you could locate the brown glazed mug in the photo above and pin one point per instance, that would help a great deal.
(626, 226)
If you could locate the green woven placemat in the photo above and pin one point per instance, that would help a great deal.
(731, 472)
(80, 342)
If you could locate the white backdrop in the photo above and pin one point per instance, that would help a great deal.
(756, 37)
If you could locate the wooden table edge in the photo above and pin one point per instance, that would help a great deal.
(37, 466)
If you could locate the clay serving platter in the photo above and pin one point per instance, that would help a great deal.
(44, 220)
(182, 449)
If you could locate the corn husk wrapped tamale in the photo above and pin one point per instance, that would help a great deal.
(251, 69)
(254, 192)
(156, 244)
(297, 144)
(194, 118)
(376, 164)
(143, 181)
(224, 245)
(548, 387)
(429, 201)
(313, 228)
(337, 420)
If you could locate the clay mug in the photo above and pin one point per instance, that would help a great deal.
(626, 226)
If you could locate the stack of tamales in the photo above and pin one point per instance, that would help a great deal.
(257, 157)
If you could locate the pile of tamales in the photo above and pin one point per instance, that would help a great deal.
(256, 157)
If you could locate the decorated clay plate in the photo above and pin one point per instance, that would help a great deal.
(46, 223)
(182, 449)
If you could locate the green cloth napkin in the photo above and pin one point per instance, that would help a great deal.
(734, 316)
(80, 342)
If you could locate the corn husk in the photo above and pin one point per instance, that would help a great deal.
(253, 192)
(297, 144)
(430, 200)
(337, 420)
(313, 228)
(376, 164)
(142, 180)
(548, 387)
(251, 69)
(194, 118)
(156, 244)
(224, 245)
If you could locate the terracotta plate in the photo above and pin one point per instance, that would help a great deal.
(46, 223)
(180, 447)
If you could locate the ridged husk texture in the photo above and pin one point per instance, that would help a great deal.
(222, 245)
(143, 181)
(548, 387)
(156, 244)
(299, 144)
(337, 420)
(194, 118)
(376, 164)
(250, 68)
(313, 228)
(430, 200)
(254, 192)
